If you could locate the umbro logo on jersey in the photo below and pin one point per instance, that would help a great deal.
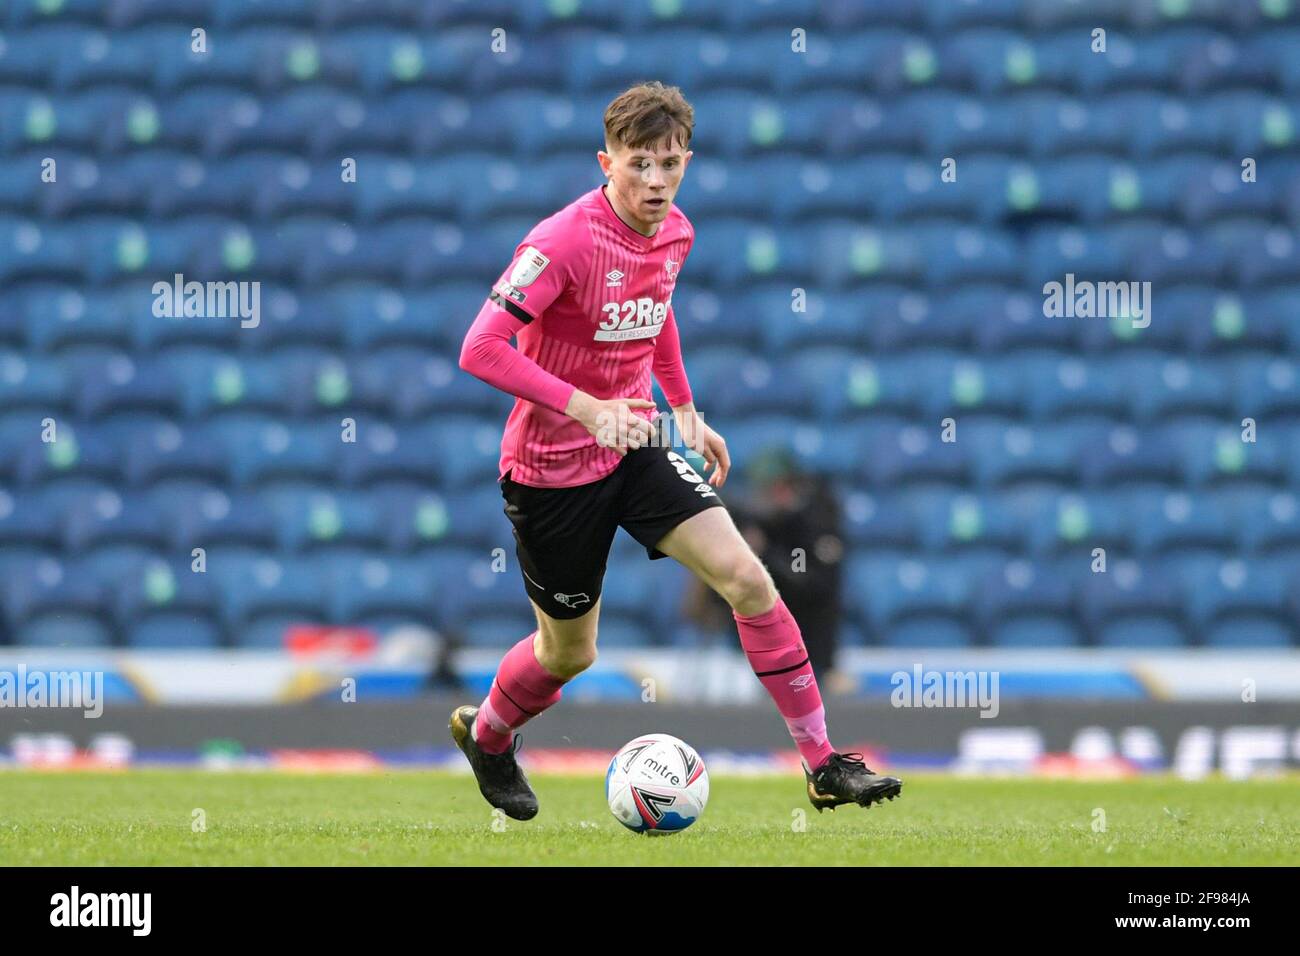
(614, 278)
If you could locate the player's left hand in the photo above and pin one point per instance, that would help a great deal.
(704, 441)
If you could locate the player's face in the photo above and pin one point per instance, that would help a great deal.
(645, 180)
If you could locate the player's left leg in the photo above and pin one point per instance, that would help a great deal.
(710, 545)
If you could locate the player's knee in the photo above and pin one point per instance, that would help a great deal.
(568, 647)
(748, 587)
(572, 658)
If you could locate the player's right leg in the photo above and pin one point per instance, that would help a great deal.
(563, 537)
(534, 671)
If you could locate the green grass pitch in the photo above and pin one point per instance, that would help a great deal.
(149, 817)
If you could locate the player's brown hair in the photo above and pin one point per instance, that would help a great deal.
(648, 114)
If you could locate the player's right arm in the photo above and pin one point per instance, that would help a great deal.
(533, 279)
(487, 354)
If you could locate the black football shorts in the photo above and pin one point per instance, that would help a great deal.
(563, 535)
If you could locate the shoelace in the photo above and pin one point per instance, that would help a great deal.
(852, 760)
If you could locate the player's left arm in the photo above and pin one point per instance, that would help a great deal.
(670, 372)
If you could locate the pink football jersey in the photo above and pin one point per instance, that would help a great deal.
(593, 302)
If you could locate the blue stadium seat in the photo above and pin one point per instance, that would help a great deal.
(1165, 389)
(53, 603)
(967, 386)
(123, 382)
(306, 523)
(110, 518)
(1022, 604)
(623, 592)
(1080, 523)
(750, 437)
(952, 255)
(298, 13)
(1051, 253)
(904, 455)
(383, 591)
(971, 523)
(757, 385)
(1269, 523)
(1060, 126)
(1126, 454)
(1180, 522)
(478, 589)
(842, 385)
(1134, 605)
(35, 250)
(955, 125)
(26, 524)
(1010, 453)
(384, 452)
(477, 517)
(77, 452)
(263, 597)
(912, 603)
(405, 383)
(877, 523)
(825, 448)
(1215, 320)
(899, 318)
(167, 604)
(1242, 604)
(618, 630)
(1266, 387)
(1216, 454)
(499, 630)
(33, 383)
(216, 518)
(260, 449)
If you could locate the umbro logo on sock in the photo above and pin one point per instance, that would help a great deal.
(801, 682)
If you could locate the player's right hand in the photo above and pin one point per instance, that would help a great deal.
(615, 425)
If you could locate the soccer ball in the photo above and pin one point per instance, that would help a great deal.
(657, 784)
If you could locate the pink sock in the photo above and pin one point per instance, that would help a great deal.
(522, 690)
(776, 651)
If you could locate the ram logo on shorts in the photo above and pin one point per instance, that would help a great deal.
(572, 600)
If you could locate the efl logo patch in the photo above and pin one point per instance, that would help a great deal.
(528, 268)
